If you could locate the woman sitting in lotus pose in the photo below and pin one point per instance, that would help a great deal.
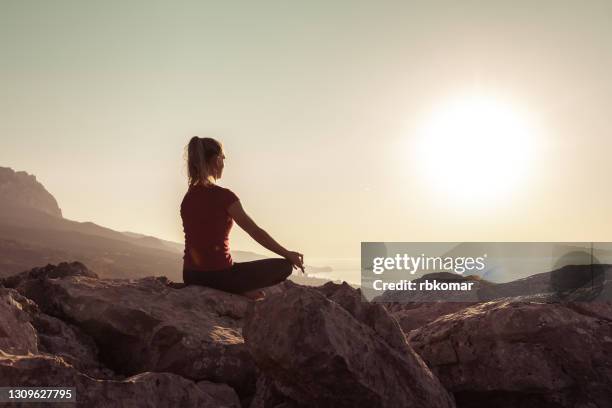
(208, 212)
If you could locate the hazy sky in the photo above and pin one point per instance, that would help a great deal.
(318, 105)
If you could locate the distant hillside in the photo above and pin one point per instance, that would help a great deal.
(154, 242)
(33, 233)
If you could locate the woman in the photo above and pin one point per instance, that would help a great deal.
(208, 212)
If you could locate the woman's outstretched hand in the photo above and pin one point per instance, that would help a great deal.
(296, 259)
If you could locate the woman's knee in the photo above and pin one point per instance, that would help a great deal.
(285, 267)
(282, 267)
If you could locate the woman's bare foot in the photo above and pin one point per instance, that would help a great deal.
(256, 294)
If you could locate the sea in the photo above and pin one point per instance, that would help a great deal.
(343, 269)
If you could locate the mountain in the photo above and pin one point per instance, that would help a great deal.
(33, 232)
(22, 190)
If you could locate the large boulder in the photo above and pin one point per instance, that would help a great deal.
(514, 354)
(142, 325)
(145, 389)
(370, 314)
(314, 352)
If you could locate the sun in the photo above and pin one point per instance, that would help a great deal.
(474, 149)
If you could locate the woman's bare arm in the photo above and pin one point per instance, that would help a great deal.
(245, 222)
(258, 234)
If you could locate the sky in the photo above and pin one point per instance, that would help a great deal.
(322, 108)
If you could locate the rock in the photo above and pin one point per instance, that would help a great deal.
(153, 342)
(143, 324)
(318, 354)
(23, 330)
(413, 310)
(598, 310)
(353, 301)
(67, 341)
(569, 282)
(223, 393)
(370, 314)
(145, 389)
(515, 354)
(49, 271)
(268, 394)
(416, 314)
(17, 335)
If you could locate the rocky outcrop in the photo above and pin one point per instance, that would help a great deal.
(96, 333)
(144, 325)
(314, 352)
(48, 272)
(370, 314)
(515, 354)
(151, 342)
(22, 190)
(413, 315)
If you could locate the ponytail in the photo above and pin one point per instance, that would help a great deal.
(199, 152)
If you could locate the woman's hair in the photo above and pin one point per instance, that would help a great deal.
(200, 151)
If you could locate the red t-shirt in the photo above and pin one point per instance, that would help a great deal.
(207, 224)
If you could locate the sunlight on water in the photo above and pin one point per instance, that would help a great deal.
(347, 269)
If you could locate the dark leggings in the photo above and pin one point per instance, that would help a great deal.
(242, 276)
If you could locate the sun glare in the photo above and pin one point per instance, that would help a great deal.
(475, 149)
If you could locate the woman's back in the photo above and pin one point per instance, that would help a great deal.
(208, 212)
(206, 224)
